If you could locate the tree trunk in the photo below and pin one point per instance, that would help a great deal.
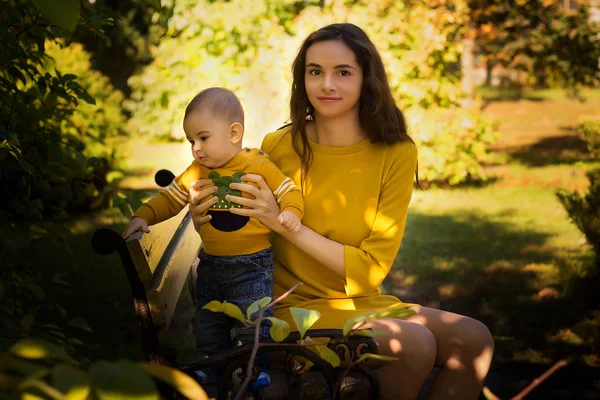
(467, 68)
(489, 69)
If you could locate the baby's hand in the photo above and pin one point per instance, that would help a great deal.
(289, 221)
(136, 224)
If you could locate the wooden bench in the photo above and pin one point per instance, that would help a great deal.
(157, 266)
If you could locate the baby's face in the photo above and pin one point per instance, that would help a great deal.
(210, 137)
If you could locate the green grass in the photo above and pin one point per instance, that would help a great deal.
(456, 239)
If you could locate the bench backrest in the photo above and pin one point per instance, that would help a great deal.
(163, 259)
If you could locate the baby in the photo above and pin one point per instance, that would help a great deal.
(236, 262)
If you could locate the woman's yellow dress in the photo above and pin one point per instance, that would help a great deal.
(358, 196)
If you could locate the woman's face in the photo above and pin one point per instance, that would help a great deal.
(333, 79)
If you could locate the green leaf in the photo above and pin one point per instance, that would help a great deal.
(122, 380)
(22, 367)
(359, 320)
(234, 312)
(85, 96)
(37, 349)
(125, 209)
(134, 201)
(19, 238)
(81, 324)
(154, 4)
(488, 394)
(304, 319)
(8, 382)
(59, 279)
(256, 306)
(81, 160)
(50, 102)
(64, 13)
(214, 306)
(36, 290)
(280, 329)
(229, 309)
(394, 313)
(179, 381)
(75, 384)
(352, 322)
(366, 333)
(380, 357)
(38, 386)
(76, 342)
(92, 161)
(325, 352)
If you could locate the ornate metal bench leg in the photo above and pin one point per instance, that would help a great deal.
(313, 386)
(355, 385)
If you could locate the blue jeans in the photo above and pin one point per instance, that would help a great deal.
(240, 280)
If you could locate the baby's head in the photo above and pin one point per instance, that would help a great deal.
(214, 125)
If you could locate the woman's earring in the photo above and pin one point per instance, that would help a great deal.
(309, 113)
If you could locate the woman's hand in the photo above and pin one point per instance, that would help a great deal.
(199, 192)
(263, 207)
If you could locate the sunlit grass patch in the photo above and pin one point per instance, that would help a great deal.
(531, 356)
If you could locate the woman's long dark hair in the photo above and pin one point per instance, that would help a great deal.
(379, 116)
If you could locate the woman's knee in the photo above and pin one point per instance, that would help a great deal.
(478, 337)
(411, 342)
(424, 343)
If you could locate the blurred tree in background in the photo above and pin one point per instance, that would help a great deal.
(556, 43)
(419, 41)
(121, 48)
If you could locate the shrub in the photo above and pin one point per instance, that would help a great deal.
(54, 152)
(99, 126)
(584, 209)
(590, 129)
(453, 144)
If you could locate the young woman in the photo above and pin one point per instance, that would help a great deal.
(348, 147)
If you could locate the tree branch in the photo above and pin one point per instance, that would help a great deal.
(28, 26)
(257, 324)
(10, 113)
(537, 381)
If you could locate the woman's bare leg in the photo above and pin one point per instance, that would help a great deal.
(415, 347)
(464, 353)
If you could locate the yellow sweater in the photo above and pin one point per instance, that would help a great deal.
(252, 236)
(358, 196)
